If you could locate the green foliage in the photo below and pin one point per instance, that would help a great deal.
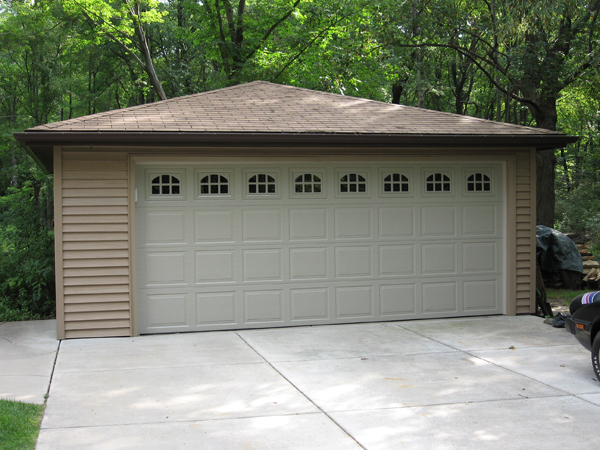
(578, 168)
(19, 425)
(26, 253)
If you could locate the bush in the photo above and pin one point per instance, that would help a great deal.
(26, 254)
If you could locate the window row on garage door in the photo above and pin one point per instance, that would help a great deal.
(262, 183)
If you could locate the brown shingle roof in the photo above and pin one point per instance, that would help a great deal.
(262, 114)
(262, 107)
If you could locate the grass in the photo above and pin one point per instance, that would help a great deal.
(19, 425)
(563, 296)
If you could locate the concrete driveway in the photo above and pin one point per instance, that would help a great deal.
(474, 383)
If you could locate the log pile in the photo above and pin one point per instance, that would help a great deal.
(591, 267)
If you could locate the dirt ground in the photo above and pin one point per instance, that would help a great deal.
(558, 307)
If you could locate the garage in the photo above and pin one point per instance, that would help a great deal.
(272, 243)
(262, 205)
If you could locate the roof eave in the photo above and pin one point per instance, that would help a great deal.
(39, 144)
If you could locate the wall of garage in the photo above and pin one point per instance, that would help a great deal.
(525, 203)
(92, 244)
(94, 223)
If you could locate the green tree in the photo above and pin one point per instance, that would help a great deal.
(123, 22)
(578, 168)
(31, 44)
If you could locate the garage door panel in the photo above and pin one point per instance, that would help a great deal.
(438, 259)
(397, 300)
(215, 266)
(216, 308)
(308, 224)
(261, 225)
(480, 257)
(480, 220)
(264, 307)
(480, 295)
(214, 227)
(396, 260)
(397, 222)
(168, 312)
(262, 265)
(310, 304)
(308, 263)
(166, 227)
(439, 297)
(166, 268)
(354, 302)
(353, 223)
(353, 262)
(438, 221)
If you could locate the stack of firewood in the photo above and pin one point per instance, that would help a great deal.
(591, 267)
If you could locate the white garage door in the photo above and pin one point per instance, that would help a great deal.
(268, 244)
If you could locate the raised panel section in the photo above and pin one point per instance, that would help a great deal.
(167, 311)
(397, 299)
(166, 268)
(214, 226)
(308, 224)
(262, 265)
(165, 227)
(438, 221)
(308, 263)
(354, 302)
(439, 297)
(352, 223)
(396, 260)
(353, 262)
(480, 295)
(438, 259)
(215, 308)
(479, 257)
(261, 225)
(396, 222)
(479, 220)
(309, 304)
(263, 306)
(215, 266)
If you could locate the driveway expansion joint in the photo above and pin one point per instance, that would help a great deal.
(182, 421)
(325, 413)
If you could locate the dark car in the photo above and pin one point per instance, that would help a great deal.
(584, 323)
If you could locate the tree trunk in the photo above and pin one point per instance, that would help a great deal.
(397, 89)
(14, 180)
(546, 117)
(149, 65)
(546, 160)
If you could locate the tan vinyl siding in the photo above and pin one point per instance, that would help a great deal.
(95, 244)
(525, 233)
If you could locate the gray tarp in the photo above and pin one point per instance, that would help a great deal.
(556, 251)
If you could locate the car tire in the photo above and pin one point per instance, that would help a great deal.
(596, 355)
